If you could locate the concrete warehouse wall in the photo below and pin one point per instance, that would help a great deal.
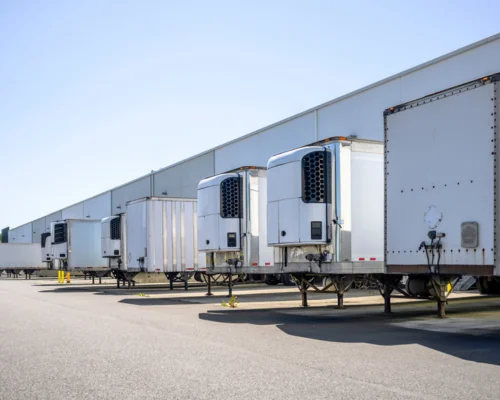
(38, 228)
(358, 113)
(21, 234)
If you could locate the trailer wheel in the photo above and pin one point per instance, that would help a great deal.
(483, 286)
(272, 280)
(197, 277)
(287, 280)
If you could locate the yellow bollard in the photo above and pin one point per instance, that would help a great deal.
(68, 278)
(58, 276)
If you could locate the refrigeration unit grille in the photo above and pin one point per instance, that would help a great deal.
(60, 233)
(316, 177)
(44, 237)
(115, 228)
(230, 198)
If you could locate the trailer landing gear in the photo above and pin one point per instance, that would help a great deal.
(179, 277)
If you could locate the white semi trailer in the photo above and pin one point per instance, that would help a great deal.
(161, 237)
(441, 191)
(232, 234)
(325, 216)
(20, 257)
(76, 246)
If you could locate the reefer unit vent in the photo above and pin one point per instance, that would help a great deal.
(115, 229)
(315, 173)
(60, 233)
(230, 201)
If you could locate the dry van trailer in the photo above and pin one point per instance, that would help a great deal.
(76, 246)
(20, 257)
(441, 191)
(161, 237)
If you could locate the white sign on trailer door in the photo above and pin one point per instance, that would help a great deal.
(440, 173)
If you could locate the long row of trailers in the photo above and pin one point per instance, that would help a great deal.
(419, 207)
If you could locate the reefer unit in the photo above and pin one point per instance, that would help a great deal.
(232, 219)
(325, 207)
(162, 236)
(20, 257)
(76, 244)
(46, 247)
(113, 240)
(441, 193)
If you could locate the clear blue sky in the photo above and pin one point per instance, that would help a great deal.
(98, 92)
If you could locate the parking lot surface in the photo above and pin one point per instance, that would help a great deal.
(78, 341)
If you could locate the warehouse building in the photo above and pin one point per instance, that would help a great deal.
(359, 114)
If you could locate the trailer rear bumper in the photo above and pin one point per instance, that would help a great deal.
(446, 269)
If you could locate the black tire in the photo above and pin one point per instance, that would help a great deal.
(287, 280)
(272, 280)
(197, 277)
(482, 285)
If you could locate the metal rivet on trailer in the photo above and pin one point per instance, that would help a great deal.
(434, 187)
(412, 190)
(474, 250)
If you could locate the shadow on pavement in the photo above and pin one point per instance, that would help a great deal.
(381, 329)
(220, 297)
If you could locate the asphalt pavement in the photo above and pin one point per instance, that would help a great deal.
(76, 342)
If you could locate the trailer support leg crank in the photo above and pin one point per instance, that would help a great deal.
(304, 284)
(340, 300)
(209, 285)
(443, 286)
(387, 291)
(186, 278)
(230, 284)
